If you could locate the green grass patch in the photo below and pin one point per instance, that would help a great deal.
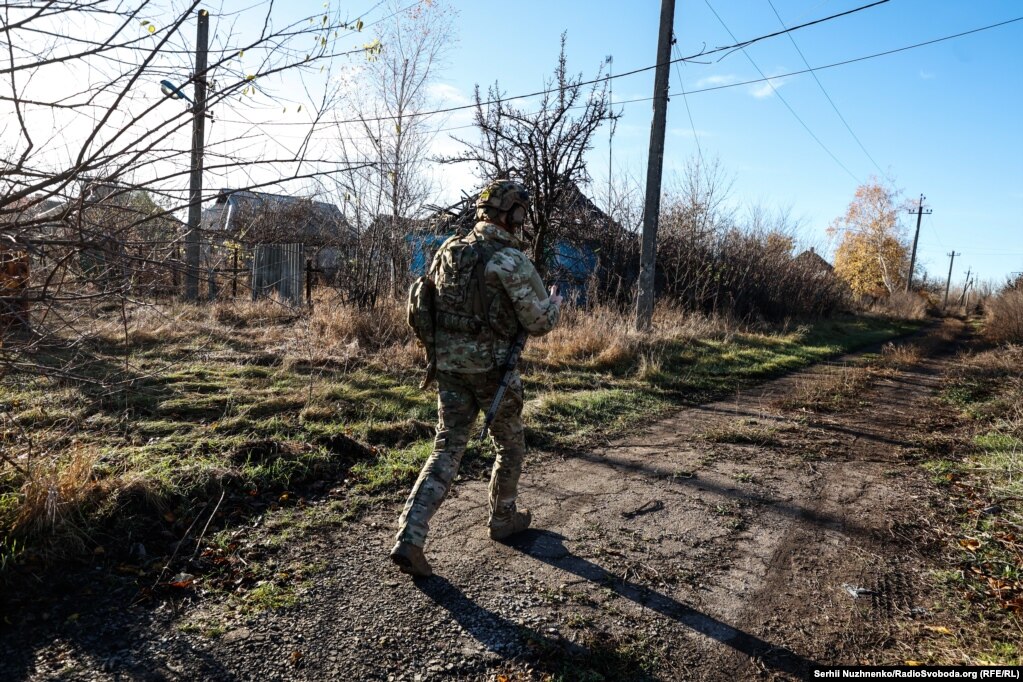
(982, 587)
(270, 597)
(175, 428)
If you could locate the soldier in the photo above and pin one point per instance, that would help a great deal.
(487, 291)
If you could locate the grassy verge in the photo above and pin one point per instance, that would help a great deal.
(980, 467)
(154, 428)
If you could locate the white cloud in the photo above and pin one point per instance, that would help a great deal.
(927, 75)
(767, 88)
(715, 81)
(447, 95)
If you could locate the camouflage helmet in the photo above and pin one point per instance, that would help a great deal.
(503, 195)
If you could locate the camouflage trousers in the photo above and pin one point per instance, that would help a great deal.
(461, 398)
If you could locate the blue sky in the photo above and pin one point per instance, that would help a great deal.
(942, 120)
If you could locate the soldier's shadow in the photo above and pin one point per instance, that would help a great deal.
(492, 630)
(549, 547)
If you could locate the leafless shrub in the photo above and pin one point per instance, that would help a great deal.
(565, 117)
(1003, 321)
(711, 260)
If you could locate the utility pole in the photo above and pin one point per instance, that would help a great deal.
(198, 142)
(966, 287)
(948, 282)
(654, 168)
(912, 259)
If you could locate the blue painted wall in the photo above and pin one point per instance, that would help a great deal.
(569, 266)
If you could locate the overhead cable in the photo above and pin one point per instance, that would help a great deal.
(826, 95)
(784, 101)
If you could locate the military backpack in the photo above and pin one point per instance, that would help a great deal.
(453, 294)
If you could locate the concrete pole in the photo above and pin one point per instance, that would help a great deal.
(912, 259)
(198, 143)
(948, 282)
(655, 165)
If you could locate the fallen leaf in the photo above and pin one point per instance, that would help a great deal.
(912, 662)
(971, 544)
(940, 629)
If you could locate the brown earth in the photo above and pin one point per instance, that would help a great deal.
(735, 540)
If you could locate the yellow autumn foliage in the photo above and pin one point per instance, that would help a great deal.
(873, 253)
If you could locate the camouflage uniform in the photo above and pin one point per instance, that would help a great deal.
(468, 374)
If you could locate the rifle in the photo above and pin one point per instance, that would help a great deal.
(514, 353)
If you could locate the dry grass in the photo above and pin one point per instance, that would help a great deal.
(174, 392)
(900, 355)
(902, 305)
(745, 432)
(1003, 322)
(54, 493)
(833, 388)
(332, 333)
(605, 338)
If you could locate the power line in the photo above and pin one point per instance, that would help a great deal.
(823, 90)
(782, 99)
(604, 79)
(685, 99)
(647, 99)
(864, 58)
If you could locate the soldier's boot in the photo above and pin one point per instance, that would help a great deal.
(410, 560)
(516, 523)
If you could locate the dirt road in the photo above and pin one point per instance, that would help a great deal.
(737, 540)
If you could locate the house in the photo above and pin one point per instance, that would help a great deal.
(812, 261)
(252, 218)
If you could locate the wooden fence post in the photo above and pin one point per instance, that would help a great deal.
(309, 282)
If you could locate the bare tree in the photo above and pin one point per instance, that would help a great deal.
(543, 147)
(389, 98)
(96, 159)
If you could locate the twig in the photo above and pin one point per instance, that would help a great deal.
(198, 543)
(178, 546)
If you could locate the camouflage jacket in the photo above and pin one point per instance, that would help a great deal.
(517, 299)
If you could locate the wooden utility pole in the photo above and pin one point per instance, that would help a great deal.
(912, 259)
(198, 142)
(654, 168)
(948, 282)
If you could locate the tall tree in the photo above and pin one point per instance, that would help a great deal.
(873, 249)
(542, 144)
